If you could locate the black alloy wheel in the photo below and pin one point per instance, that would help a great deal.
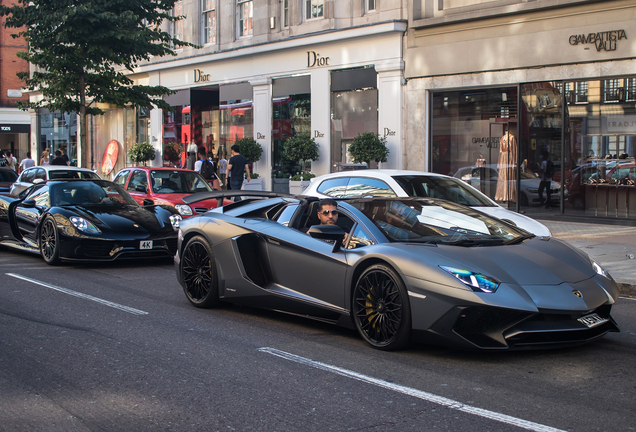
(381, 310)
(198, 273)
(49, 241)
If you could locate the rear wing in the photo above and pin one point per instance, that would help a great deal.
(220, 195)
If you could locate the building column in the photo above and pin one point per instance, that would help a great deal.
(321, 119)
(390, 99)
(262, 97)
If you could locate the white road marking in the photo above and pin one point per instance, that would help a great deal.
(628, 298)
(80, 295)
(429, 397)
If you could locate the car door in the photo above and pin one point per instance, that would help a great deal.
(138, 185)
(28, 215)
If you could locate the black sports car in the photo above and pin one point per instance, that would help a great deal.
(397, 269)
(86, 220)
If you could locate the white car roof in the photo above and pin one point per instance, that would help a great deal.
(62, 167)
(383, 174)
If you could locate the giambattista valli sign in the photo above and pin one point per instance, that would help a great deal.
(603, 41)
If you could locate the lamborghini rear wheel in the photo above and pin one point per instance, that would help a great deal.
(198, 273)
(49, 241)
(381, 309)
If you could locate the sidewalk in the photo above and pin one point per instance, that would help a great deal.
(610, 245)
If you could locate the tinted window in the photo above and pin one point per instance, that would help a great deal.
(40, 174)
(121, 178)
(359, 238)
(164, 181)
(70, 174)
(334, 187)
(360, 186)
(28, 175)
(139, 178)
(8, 175)
(41, 197)
(447, 188)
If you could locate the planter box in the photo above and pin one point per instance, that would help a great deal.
(297, 187)
(254, 184)
(280, 185)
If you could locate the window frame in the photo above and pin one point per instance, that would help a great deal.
(178, 25)
(371, 6)
(240, 21)
(207, 7)
(309, 8)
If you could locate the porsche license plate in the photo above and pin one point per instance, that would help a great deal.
(146, 244)
(592, 320)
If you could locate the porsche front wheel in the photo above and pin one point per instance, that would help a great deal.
(381, 309)
(49, 242)
(198, 273)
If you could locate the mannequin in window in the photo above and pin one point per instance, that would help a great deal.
(506, 183)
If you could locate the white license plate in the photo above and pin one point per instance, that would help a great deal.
(147, 244)
(592, 320)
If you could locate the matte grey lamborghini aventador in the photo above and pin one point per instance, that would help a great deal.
(397, 269)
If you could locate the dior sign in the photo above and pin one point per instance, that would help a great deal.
(314, 59)
(604, 41)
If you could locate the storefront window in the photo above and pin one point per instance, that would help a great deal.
(354, 110)
(600, 179)
(176, 137)
(58, 131)
(474, 138)
(237, 121)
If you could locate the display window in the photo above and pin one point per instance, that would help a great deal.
(354, 110)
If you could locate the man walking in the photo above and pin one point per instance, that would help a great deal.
(547, 171)
(27, 162)
(223, 169)
(236, 167)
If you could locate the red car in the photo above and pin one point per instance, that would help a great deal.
(166, 186)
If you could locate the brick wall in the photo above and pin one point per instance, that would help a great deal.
(10, 64)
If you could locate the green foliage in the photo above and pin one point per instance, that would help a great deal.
(140, 153)
(304, 176)
(369, 146)
(250, 149)
(172, 152)
(82, 49)
(301, 147)
(252, 175)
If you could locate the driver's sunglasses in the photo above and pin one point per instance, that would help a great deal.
(326, 212)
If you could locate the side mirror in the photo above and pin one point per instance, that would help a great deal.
(141, 188)
(28, 203)
(38, 181)
(329, 233)
(147, 201)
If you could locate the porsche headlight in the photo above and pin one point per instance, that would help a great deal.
(475, 281)
(184, 209)
(599, 270)
(84, 225)
(175, 219)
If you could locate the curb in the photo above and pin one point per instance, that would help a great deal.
(626, 287)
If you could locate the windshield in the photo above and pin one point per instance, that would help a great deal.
(164, 181)
(95, 193)
(72, 174)
(450, 189)
(437, 222)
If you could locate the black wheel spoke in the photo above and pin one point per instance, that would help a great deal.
(197, 273)
(378, 307)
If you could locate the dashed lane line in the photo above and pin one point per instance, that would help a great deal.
(429, 397)
(80, 295)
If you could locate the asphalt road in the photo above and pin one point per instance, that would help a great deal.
(119, 348)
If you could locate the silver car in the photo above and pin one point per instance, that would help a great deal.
(403, 183)
(37, 174)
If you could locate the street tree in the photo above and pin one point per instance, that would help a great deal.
(82, 50)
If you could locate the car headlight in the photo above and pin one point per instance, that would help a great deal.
(184, 209)
(475, 281)
(599, 270)
(175, 220)
(84, 225)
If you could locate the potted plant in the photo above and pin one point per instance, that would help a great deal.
(141, 153)
(303, 148)
(252, 151)
(299, 182)
(369, 147)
